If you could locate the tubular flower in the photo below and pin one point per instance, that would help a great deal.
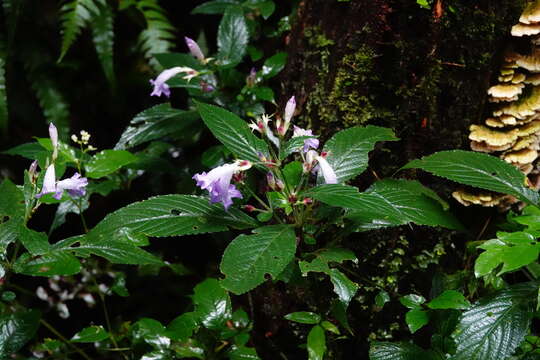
(218, 182)
(327, 171)
(75, 185)
(160, 86)
(194, 49)
(53, 134)
(308, 143)
(287, 116)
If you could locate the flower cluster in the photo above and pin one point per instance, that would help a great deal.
(75, 185)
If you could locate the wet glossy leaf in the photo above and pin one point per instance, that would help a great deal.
(90, 334)
(212, 304)
(416, 319)
(233, 37)
(16, 330)
(449, 299)
(304, 317)
(108, 161)
(316, 343)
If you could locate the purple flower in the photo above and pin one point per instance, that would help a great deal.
(308, 143)
(160, 86)
(53, 134)
(218, 182)
(327, 172)
(75, 185)
(194, 49)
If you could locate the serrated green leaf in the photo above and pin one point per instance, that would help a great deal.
(9, 231)
(108, 161)
(54, 262)
(117, 252)
(90, 334)
(154, 123)
(212, 304)
(304, 317)
(478, 170)
(274, 64)
(103, 36)
(183, 326)
(385, 204)
(348, 149)
(233, 37)
(213, 7)
(412, 301)
(400, 351)
(32, 151)
(232, 132)
(316, 343)
(12, 203)
(35, 242)
(416, 319)
(16, 330)
(494, 327)
(171, 215)
(449, 299)
(248, 258)
(499, 252)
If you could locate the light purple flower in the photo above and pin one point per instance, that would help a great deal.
(308, 143)
(194, 49)
(53, 134)
(218, 182)
(75, 185)
(327, 172)
(287, 116)
(160, 86)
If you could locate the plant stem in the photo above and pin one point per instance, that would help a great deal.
(61, 337)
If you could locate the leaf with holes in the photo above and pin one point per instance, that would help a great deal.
(249, 258)
(233, 37)
(232, 132)
(171, 215)
(478, 170)
(494, 327)
(348, 149)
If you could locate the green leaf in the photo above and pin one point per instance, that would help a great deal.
(233, 37)
(292, 172)
(248, 258)
(32, 151)
(151, 332)
(74, 15)
(243, 353)
(449, 299)
(316, 343)
(343, 286)
(348, 149)
(263, 93)
(108, 161)
(55, 262)
(400, 351)
(117, 252)
(232, 132)
(171, 215)
(212, 304)
(412, 301)
(103, 36)
(214, 7)
(294, 144)
(16, 330)
(214, 156)
(304, 317)
(9, 231)
(499, 252)
(12, 204)
(183, 326)
(35, 242)
(494, 327)
(90, 334)
(416, 319)
(154, 123)
(382, 298)
(385, 203)
(478, 170)
(267, 8)
(328, 326)
(274, 64)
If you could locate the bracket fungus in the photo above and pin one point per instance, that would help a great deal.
(512, 131)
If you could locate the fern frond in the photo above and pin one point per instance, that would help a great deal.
(74, 16)
(52, 102)
(159, 33)
(103, 37)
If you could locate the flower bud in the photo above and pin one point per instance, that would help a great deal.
(271, 180)
(53, 134)
(194, 49)
(289, 112)
(249, 208)
(32, 172)
(279, 185)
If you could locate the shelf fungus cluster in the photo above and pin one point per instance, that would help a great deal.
(512, 132)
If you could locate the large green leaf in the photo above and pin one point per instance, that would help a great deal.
(249, 258)
(233, 132)
(16, 330)
(274, 64)
(103, 36)
(55, 262)
(348, 149)
(117, 252)
(12, 200)
(385, 203)
(212, 304)
(108, 161)
(478, 170)
(213, 7)
(154, 123)
(233, 37)
(171, 215)
(494, 327)
(35, 242)
(400, 351)
(316, 343)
